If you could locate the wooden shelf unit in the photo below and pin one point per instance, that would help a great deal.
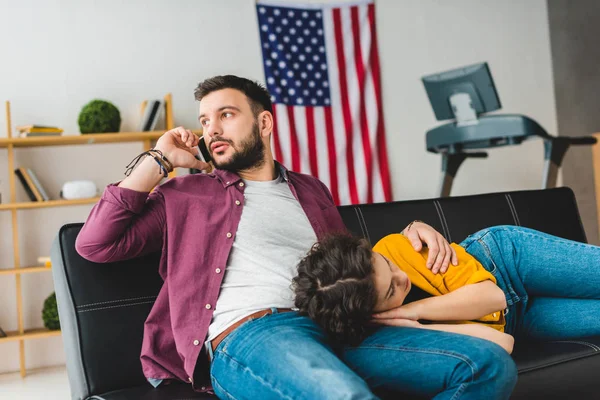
(92, 138)
(29, 334)
(10, 143)
(24, 270)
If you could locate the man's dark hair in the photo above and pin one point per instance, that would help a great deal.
(258, 96)
(335, 287)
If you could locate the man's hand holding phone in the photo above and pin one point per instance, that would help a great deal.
(180, 146)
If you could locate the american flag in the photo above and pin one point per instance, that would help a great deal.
(322, 70)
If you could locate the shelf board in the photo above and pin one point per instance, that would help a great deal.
(49, 203)
(36, 333)
(91, 138)
(24, 270)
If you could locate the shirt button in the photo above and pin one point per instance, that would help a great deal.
(494, 314)
(196, 342)
(207, 306)
(228, 234)
(218, 270)
(203, 388)
(237, 203)
(241, 183)
(227, 183)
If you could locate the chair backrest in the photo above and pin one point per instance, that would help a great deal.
(103, 307)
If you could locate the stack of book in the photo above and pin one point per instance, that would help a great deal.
(152, 113)
(32, 185)
(38, 130)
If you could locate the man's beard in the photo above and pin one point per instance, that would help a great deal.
(251, 154)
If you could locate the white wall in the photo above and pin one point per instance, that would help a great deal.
(57, 55)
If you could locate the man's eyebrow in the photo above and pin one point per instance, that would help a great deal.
(220, 109)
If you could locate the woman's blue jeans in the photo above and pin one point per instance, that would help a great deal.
(552, 285)
(286, 356)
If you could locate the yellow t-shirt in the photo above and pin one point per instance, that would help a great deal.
(398, 248)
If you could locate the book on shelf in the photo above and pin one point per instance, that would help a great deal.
(39, 134)
(38, 185)
(151, 115)
(39, 129)
(31, 184)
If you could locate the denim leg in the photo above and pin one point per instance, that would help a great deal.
(282, 356)
(528, 263)
(551, 318)
(546, 265)
(434, 364)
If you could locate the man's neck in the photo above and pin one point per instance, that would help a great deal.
(265, 172)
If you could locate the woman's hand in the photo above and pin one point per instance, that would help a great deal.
(440, 252)
(406, 315)
(408, 311)
(409, 323)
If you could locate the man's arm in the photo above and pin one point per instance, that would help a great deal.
(127, 222)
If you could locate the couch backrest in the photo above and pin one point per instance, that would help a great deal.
(553, 211)
(103, 307)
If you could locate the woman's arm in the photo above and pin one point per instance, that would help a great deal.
(503, 340)
(466, 303)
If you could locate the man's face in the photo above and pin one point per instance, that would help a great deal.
(231, 131)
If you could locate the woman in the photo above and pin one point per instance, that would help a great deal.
(509, 281)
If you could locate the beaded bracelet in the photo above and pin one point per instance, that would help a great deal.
(160, 164)
(168, 164)
(165, 165)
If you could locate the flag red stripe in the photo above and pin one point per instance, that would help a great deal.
(312, 141)
(276, 142)
(339, 40)
(333, 178)
(295, 147)
(381, 148)
(360, 72)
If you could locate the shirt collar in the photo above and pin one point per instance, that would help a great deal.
(230, 178)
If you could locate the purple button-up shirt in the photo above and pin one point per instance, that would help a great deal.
(193, 220)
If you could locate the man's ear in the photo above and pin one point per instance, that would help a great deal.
(265, 123)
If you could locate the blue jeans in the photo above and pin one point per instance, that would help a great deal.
(552, 285)
(287, 356)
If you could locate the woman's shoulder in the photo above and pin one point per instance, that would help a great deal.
(390, 242)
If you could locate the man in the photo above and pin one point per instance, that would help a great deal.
(230, 244)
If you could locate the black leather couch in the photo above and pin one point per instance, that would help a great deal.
(103, 307)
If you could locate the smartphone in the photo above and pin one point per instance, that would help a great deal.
(203, 153)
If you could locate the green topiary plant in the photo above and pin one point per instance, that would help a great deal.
(99, 116)
(50, 313)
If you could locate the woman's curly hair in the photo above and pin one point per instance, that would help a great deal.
(335, 287)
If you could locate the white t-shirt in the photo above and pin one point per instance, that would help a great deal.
(274, 234)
